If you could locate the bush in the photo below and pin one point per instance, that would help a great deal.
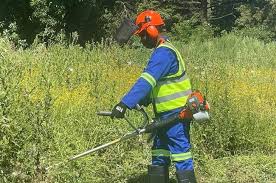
(187, 31)
(260, 33)
(227, 70)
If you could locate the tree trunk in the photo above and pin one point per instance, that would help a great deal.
(204, 16)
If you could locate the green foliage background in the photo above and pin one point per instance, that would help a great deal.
(82, 21)
(49, 97)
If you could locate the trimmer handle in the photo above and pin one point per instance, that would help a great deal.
(104, 113)
(138, 108)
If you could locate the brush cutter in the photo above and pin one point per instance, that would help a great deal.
(196, 108)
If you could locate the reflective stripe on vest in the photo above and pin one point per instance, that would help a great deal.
(173, 157)
(171, 92)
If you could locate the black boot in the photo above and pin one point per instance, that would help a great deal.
(185, 176)
(158, 174)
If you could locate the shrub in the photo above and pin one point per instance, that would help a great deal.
(188, 30)
(260, 33)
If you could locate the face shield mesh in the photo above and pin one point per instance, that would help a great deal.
(125, 31)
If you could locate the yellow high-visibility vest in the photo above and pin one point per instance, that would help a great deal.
(171, 92)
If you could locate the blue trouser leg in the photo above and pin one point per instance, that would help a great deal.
(176, 141)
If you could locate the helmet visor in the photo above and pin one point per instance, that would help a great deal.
(125, 31)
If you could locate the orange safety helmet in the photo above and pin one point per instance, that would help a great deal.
(148, 20)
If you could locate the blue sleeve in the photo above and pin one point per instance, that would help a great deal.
(162, 62)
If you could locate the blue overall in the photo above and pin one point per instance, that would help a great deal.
(172, 141)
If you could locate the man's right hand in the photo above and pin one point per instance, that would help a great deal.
(119, 110)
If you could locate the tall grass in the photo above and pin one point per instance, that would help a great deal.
(49, 98)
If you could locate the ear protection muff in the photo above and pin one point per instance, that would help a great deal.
(152, 31)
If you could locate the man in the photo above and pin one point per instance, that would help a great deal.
(165, 84)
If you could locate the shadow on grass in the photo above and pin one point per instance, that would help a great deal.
(142, 178)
